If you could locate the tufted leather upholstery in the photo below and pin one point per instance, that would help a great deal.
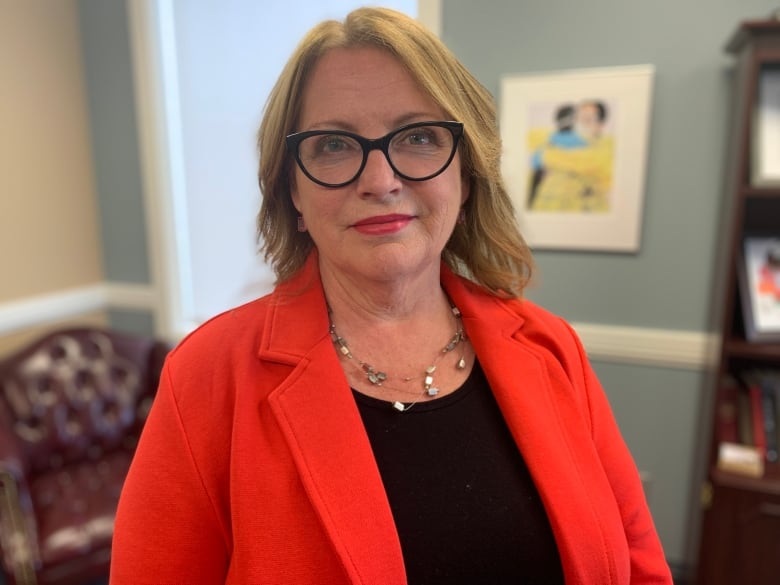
(72, 406)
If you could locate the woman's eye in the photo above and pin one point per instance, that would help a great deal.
(332, 144)
(419, 138)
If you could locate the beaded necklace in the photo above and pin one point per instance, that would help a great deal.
(377, 377)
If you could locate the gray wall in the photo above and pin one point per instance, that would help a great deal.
(109, 77)
(110, 92)
(666, 285)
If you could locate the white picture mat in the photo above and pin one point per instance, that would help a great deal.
(619, 229)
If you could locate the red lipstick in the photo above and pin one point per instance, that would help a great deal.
(380, 225)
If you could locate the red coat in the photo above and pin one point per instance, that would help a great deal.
(254, 466)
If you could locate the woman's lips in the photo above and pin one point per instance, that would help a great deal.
(382, 224)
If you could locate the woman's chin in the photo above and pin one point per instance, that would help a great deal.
(390, 264)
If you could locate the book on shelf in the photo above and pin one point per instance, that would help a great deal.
(769, 391)
(748, 422)
(757, 416)
(744, 417)
(726, 421)
(760, 385)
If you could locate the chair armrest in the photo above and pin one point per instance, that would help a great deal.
(20, 555)
(11, 458)
(18, 545)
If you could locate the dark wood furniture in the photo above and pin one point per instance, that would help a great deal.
(740, 537)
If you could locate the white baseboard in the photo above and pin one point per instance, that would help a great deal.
(67, 304)
(664, 348)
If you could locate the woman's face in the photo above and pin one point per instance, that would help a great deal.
(380, 226)
(589, 125)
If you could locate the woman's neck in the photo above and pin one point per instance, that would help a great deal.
(359, 301)
(398, 329)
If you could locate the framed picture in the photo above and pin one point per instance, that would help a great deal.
(575, 149)
(759, 288)
(766, 130)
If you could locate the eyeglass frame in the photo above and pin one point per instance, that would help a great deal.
(294, 140)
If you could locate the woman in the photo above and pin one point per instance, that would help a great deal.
(392, 412)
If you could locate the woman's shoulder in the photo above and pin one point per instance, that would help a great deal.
(532, 315)
(489, 307)
(230, 332)
(206, 373)
(539, 316)
(545, 331)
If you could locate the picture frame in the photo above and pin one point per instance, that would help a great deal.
(765, 147)
(759, 287)
(575, 151)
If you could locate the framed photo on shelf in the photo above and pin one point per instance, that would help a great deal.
(759, 287)
(765, 160)
(575, 150)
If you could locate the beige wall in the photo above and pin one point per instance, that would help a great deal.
(49, 233)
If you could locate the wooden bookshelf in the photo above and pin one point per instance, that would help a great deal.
(740, 535)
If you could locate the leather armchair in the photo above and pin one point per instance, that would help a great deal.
(72, 406)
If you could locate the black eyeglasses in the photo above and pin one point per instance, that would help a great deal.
(416, 152)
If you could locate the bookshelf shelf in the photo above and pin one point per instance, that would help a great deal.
(762, 192)
(741, 348)
(768, 484)
(741, 514)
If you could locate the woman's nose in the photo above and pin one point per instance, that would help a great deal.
(378, 177)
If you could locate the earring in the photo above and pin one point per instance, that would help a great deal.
(301, 224)
(462, 216)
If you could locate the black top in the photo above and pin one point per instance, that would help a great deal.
(464, 504)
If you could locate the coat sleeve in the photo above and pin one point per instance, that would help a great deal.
(168, 529)
(648, 563)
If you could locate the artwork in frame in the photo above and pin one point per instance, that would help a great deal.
(575, 149)
(766, 120)
(759, 288)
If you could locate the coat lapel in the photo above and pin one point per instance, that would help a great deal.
(323, 429)
(539, 407)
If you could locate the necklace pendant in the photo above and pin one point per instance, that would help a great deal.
(399, 406)
(428, 386)
(374, 376)
(453, 343)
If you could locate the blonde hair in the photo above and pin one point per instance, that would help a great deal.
(487, 247)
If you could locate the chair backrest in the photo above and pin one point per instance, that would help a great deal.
(76, 394)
